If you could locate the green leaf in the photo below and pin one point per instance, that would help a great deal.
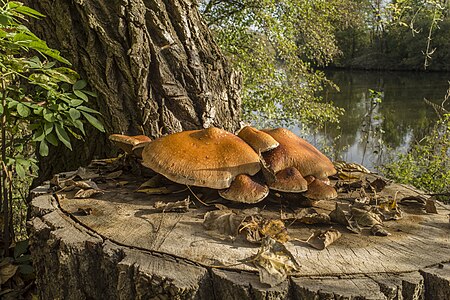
(79, 124)
(48, 127)
(38, 135)
(4, 20)
(79, 85)
(42, 47)
(43, 148)
(22, 110)
(20, 170)
(12, 103)
(24, 162)
(19, 147)
(62, 135)
(20, 248)
(38, 110)
(94, 122)
(92, 94)
(62, 74)
(23, 259)
(29, 12)
(26, 269)
(74, 114)
(49, 115)
(1, 110)
(87, 109)
(81, 95)
(76, 102)
(39, 78)
(51, 138)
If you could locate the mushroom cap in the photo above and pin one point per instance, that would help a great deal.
(289, 180)
(244, 189)
(127, 142)
(294, 151)
(257, 139)
(319, 190)
(209, 158)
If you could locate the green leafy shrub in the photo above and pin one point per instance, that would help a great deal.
(43, 103)
(427, 163)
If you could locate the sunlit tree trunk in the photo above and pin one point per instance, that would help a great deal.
(153, 63)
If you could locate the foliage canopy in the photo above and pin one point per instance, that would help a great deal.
(274, 43)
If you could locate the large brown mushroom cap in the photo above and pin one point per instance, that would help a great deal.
(209, 158)
(294, 151)
(257, 139)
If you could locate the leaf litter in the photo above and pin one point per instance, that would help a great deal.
(274, 262)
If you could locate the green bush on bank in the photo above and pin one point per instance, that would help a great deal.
(427, 164)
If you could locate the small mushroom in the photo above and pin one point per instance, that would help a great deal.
(245, 189)
(128, 143)
(319, 190)
(210, 158)
(257, 139)
(289, 180)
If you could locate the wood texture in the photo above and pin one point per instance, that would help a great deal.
(153, 63)
(126, 250)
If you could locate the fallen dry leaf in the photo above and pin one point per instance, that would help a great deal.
(414, 200)
(430, 206)
(378, 184)
(7, 270)
(223, 221)
(179, 206)
(341, 215)
(85, 185)
(365, 218)
(85, 173)
(268, 172)
(84, 211)
(307, 216)
(321, 239)
(274, 262)
(389, 211)
(350, 167)
(83, 194)
(155, 191)
(113, 175)
(379, 230)
(153, 182)
(274, 229)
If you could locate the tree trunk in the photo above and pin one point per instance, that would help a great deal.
(153, 63)
(118, 246)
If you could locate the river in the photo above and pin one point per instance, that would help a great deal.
(369, 133)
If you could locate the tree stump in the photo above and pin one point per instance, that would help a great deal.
(116, 246)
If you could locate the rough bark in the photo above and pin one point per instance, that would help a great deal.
(125, 250)
(153, 63)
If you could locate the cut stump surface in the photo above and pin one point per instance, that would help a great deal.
(122, 248)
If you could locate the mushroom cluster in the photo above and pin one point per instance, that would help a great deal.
(217, 159)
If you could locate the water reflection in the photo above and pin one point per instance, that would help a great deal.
(368, 130)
